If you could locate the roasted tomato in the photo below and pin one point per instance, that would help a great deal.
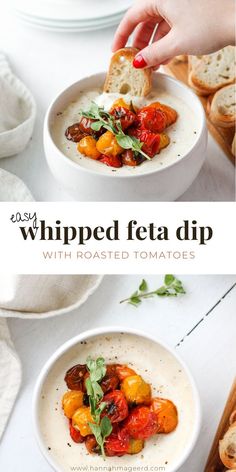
(74, 133)
(152, 118)
(127, 118)
(81, 419)
(136, 390)
(111, 380)
(85, 125)
(75, 434)
(92, 445)
(117, 444)
(141, 423)
(151, 141)
(74, 377)
(111, 161)
(170, 113)
(71, 401)
(128, 158)
(88, 147)
(164, 141)
(108, 145)
(120, 102)
(124, 371)
(117, 406)
(167, 415)
(135, 446)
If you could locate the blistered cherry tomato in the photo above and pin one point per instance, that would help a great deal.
(71, 401)
(74, 377)
(120, 102)
(88, 147)
(108, 145)
(81, 419)
(152, 118)
(111, 161)
(141, 423)
(85, 125)
(92, 445)
(124, 371)
(128, 158)
(135, 446)
(74, 133)
(117, 444)
(167, 415)
(117, 406)
(127, 118)
(136, 390)
(75, 434)
(170, 113)
(111, 380)
(151, 141)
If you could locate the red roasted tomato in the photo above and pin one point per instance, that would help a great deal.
(74, 377)
(151, 141)
(117, 444)
(117, 406)
(75, 434)
(126, 117)
(111, 161)
(152, 119)
(91, 444)
(141, 423)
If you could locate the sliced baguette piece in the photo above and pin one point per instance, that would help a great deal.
(215, 70)
(227, 447)
(223, 107)
(200, 91)
(122, 77)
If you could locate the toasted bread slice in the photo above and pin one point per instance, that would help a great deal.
(227, 447)
(223, 107)
(214, 71)
(123, 78)
(200, 91)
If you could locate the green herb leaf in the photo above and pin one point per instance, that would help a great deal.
(143, 286)
(106, 427)
(172, 288)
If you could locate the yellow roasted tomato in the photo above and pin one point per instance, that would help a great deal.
(136, 390)
(164, 141)
(108, 145)
(87, 146)
(135, 446)
(120, 103)
(80, 420)
(71, 401)
(167, 414)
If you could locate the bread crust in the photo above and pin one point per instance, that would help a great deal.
(128, 54)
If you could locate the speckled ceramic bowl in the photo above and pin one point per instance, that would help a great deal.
(157, 363)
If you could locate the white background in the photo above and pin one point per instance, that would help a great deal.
(47, 63)
(199, 325)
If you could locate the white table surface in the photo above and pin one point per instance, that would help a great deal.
(199, 325)
(48, 62)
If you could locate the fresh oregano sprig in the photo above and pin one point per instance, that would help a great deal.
(101, 428)
(105, 120)
(172, 287)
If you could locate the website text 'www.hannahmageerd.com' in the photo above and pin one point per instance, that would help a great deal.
(87, 468)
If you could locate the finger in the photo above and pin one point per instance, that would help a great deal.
(162, 30)
(157, 53)
(137, 14)
(143, 34)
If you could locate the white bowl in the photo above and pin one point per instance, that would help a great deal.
(148, 356)
(165, 183)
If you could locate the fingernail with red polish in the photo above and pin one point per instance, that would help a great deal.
(139, 62)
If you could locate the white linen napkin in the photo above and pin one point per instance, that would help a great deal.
(17, 112)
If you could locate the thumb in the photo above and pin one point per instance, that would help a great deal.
(157, 53)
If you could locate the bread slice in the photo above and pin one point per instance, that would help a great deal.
(223, 107)
(200, 91)
(227, 448)
(213, 71)
(123, 78)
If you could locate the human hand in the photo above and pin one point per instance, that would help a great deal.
(176, 27)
